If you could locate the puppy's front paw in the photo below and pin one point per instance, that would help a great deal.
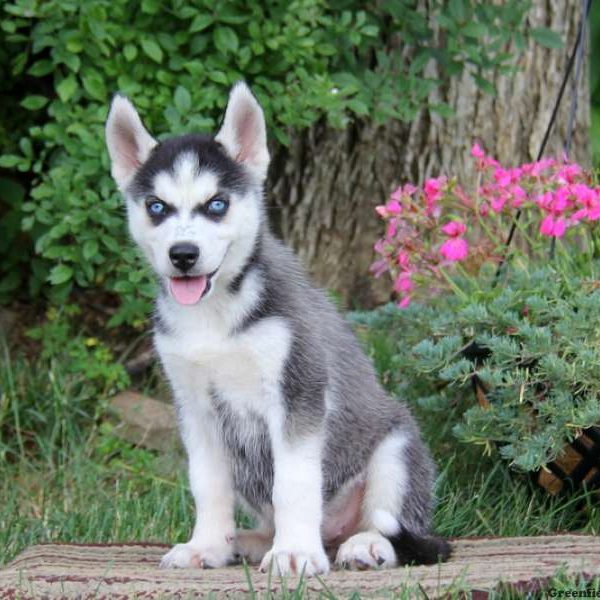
(288, 562)
(191, 555)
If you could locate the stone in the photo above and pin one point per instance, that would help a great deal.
(144, 421)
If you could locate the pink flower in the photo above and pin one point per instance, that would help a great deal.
(518, 195)
(537, 168)
(593, 214)
(495, 195)
(392, 229)
(433, 188)
(488, 161)
(584, 194)
(380, 246)
(455, 249)
(404, 303)
(552, 227)
(497, 203)
(403, 283)
(454, 228)
(378, 268)
(403, 192)
(547, 225)
(502, 176)
(409, 189)
(483, 161)
(403, 260)
(568, 173)
(561, 202)
(555, 203)
(580, 214)
(393, 207)
(544, 200)
(477, 151)
(433, 191)
(560, 226)
(396, 195)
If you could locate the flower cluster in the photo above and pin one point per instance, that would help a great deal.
(430, 227)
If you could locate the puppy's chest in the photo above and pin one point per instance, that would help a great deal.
(242, 368)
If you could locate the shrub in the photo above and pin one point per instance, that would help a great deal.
(528, 332)
(305, 60)
(541, 363)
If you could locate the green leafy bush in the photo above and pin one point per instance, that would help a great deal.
(305, 60)
(539, 356)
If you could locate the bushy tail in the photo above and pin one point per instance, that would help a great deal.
(412, 548)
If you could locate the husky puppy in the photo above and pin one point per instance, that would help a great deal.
(278, 406)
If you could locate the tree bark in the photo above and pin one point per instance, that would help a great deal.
(324, 187)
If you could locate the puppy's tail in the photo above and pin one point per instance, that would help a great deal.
(412, 548)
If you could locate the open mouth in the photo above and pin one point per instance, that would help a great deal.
(189, 290)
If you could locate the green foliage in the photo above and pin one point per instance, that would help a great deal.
(87, 357)
(306, 60)
(14, 247)
(48, 407)
(541, 333)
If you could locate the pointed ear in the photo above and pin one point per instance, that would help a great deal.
(129, 144)
(243, 133)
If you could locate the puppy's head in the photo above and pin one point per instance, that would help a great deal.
(194, 203)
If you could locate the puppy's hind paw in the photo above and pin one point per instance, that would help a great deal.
(366, 550)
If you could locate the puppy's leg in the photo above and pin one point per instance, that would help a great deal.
(342, 513)
(297, 502)
(395, 510)
(212, 541)
(384, 490)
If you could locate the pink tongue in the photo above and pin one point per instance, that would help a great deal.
(188, 290)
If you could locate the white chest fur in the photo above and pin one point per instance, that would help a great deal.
(203, 350)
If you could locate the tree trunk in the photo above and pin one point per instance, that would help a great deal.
(325, 186)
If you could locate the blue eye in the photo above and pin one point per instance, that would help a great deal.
(157, 208)
(217, 207)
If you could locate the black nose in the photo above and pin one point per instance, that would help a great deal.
(184, 256)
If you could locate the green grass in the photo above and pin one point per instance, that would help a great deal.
(64, 476)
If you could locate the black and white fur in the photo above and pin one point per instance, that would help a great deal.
(278, 406)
